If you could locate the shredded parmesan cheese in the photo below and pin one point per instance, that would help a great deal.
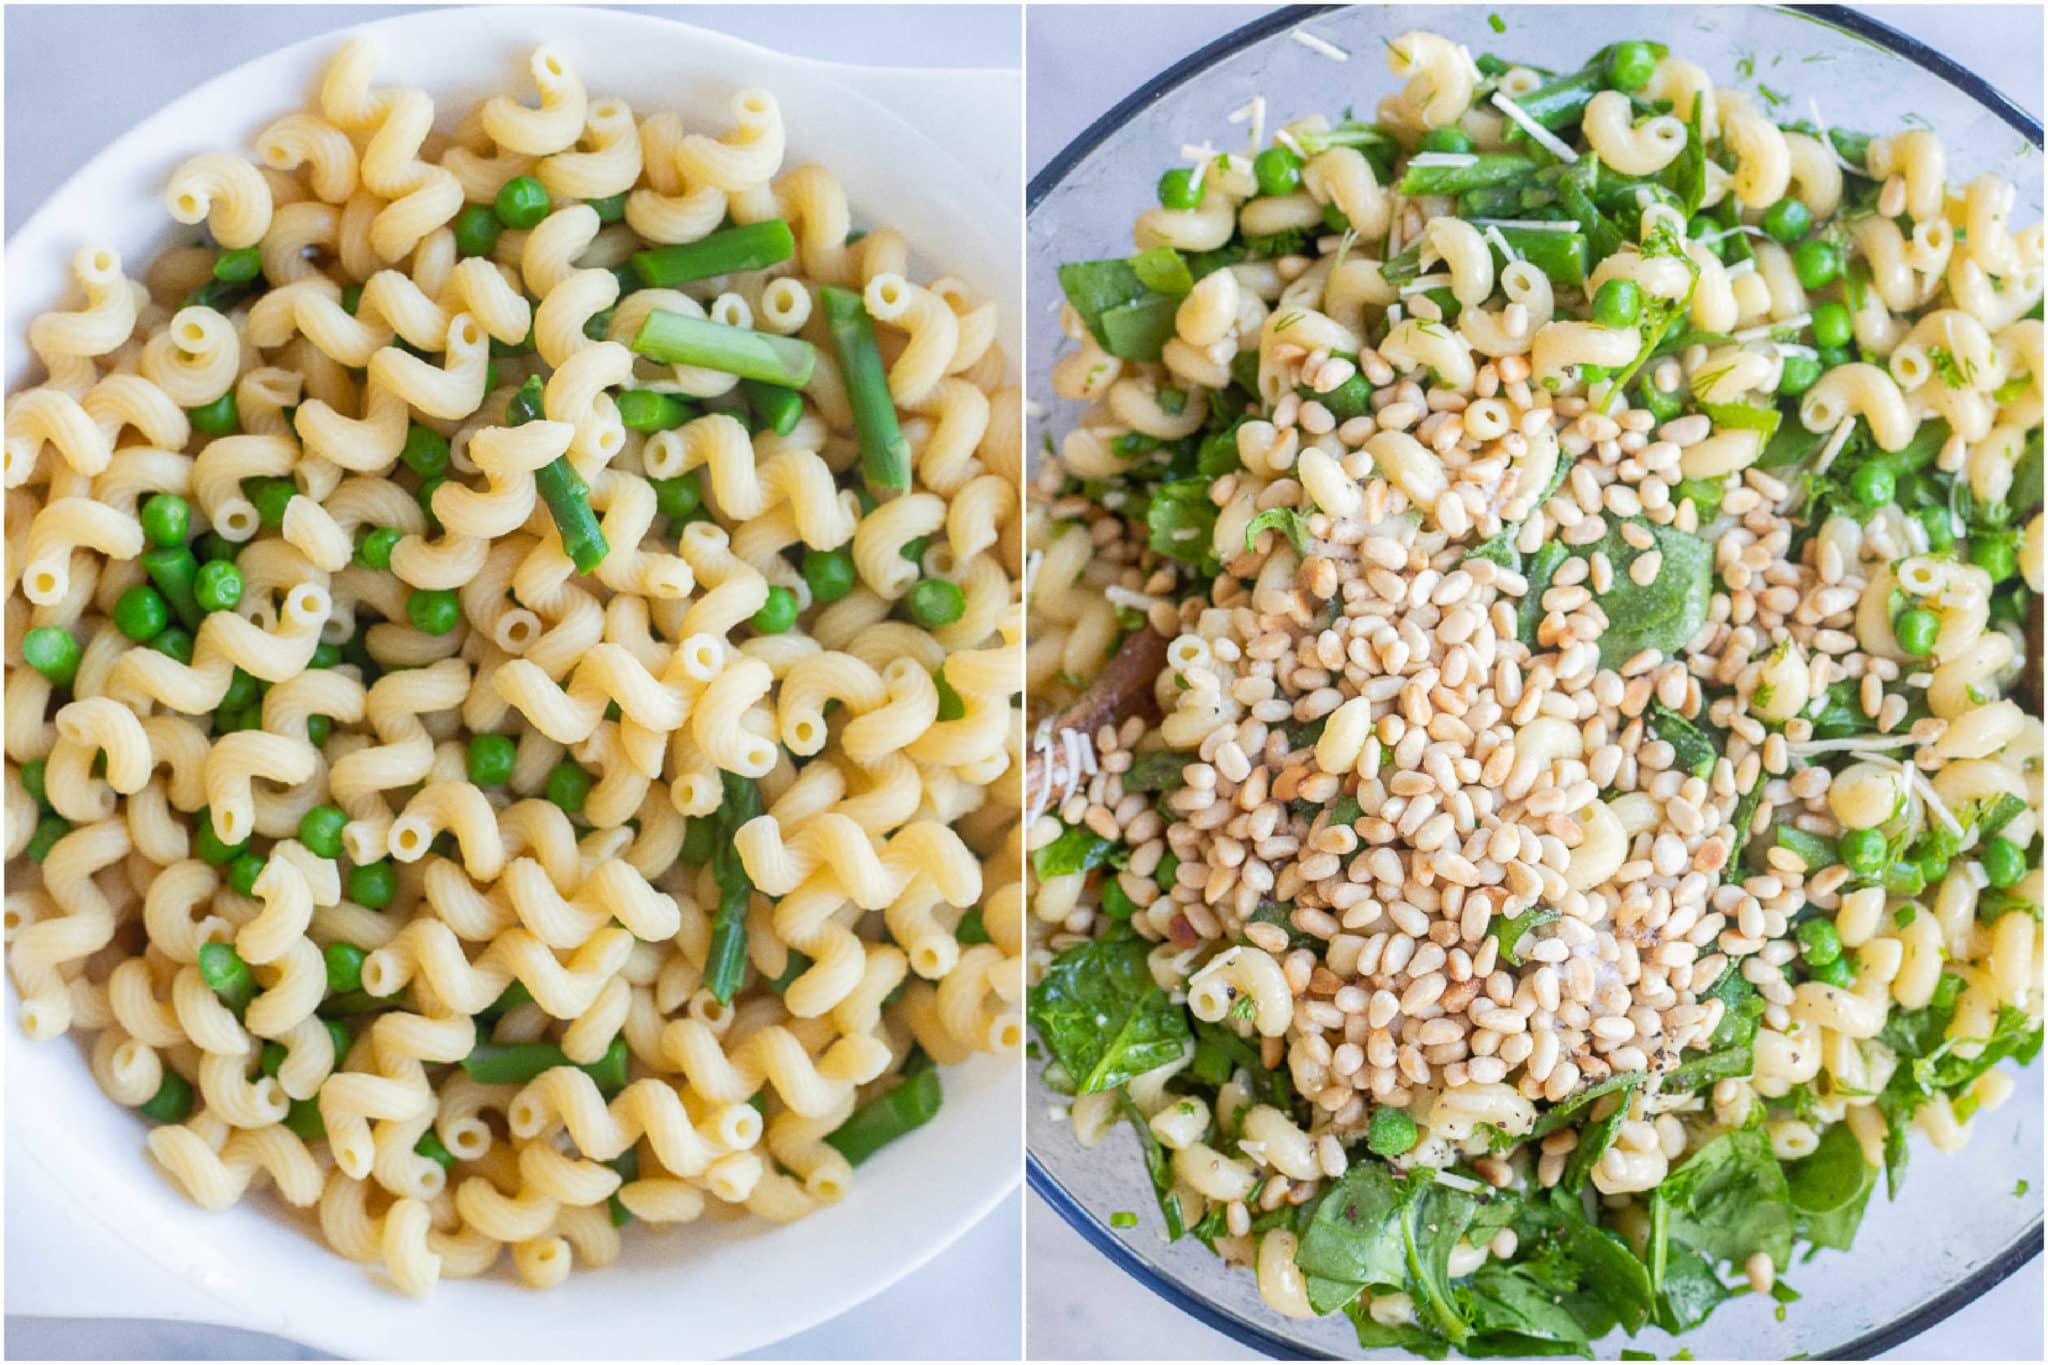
(1538, 224)
(1122, 596)
(1442, 159)
(1422, 284)
(1855, 744)
(1286, 139)
(1827, 140)
(1834, 446)
(1543, 137)
(1763, 332)
(1322, 45)
(1492, 235)
(1741, 268)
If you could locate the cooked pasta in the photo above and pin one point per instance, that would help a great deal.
(1531, 760)
(469, 769)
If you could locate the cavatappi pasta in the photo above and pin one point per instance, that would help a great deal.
(1527, 621)
(511, 664)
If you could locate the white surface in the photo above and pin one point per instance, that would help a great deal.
(96, 1233)
(1082, 61)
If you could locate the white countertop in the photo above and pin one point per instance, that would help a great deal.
(1081, 60)
(77, 77)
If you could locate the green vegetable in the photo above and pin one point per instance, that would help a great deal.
(1101, 1014)
(884, 453)
(521, 203)
(1666, 613)
(753, 246)
(1163, 270)
(1285, 519)
(1393, 1133)
(1831, 325)
(476, 230)
(1449, 140)
(491, 759)
(520, 1063)
(2004, 862)
(1277, 170)
(1787, 221)
(1863, 850)
(141, 613)
(1511, 929)
(1692, 750)
(775, 408)
(1916, 629)
(172, 1102)
(778, 613)
(830, 574)
(1618, 304)
(560, 486)
(1630, 65)
(218, 586)
(344, 967)
(1798, 374)
(1816, 262)
(1180, 521)
(679, 339)
(888, 1116)
(373, 885)
(166, 519)
(49, 829)
(1487, 168)
(933, 602)
(375, 551)
(224, 971)
(426, 451)
(52, 652)
(219, 418)
(568, 786)
(677, 499)
(727, 961)
(1177, 189)
(435, 611)
(1077, 849)
(320, 830)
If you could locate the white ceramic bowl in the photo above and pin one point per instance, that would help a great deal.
(92, 1229)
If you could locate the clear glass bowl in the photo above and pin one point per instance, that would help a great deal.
(1958, 1226)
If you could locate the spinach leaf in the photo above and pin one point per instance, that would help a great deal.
(1181, 521)
(1663, 615)
(1499, 549)
(1162, 270)
(1811, 849)
(1690, 1293)
(1293, 523)
(1096, 287)
(1354, 1238)
(1510, 930)
(1563, 1113)
(1729, 1199)
(1377, 1336)
(1693, 751)
(1594, 1140)
(1156, 770)
(1102, 1015)
(1160, 1167)
(1078, 849)
(1139, 330)
(1830, 1187)
(1219, 1051)
(1543, 566)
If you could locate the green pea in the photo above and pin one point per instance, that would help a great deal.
(1277, 170)
(373, 885)
(272, 498)
(1873, 485)
(1834, 357)
(222, 968)
(238, 266)
(342, 1039)
(1940, 529)
(491, 759)
(676, 499)
(1798, 374)
(1592, 374)
(1177, 189)
(166, 519)
(351, 297)
(242, 690)
(1836, 972)
(2004, 864)
(1916, 629)
(1630, 65)
(476, 230)
(1863, 851)
(830, 574)
(1933, 866)
(1705, 231)
(272, 1059)
(218, 586)
(219, 418)
(611, 208)
(141, 613)
(434, 610)
(778, 613)
(1831, 326)
(325, 655)
(211, 850)
(303, 1118)
(243, 872)
(49, 830)
(1334, 219)
(172, 1102)
(344, 967)
(320, 830)
(569, 787)
(1816, 262)
(522, 203)
(1618, 303)
(1450, 141)
(598, 325)
(51, 651)
(646, 410)
(934, 602)
(175, 642)
(426, 451)
(913, 550)
(1819, 942)
(1392, 1133)
(1787, 221)
(215, 547)
(375, 551)
(32, 782)
(1995, 556)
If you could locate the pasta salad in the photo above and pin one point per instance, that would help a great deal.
(1534, 652)
(510, 662)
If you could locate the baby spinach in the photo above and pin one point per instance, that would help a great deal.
(1159, 1166)
(1103, 1016)
(1510, 929)
(1078, 849)
(1594, 1140)
(1663, 614)
(1292, 522)
(1181, 522)
(1356, 1236)
(1219, 1051)
(1125, 316)
(1542, 567)
(1693, 751)
(1829, 1188)
(1729, 1199)
(1156, 770)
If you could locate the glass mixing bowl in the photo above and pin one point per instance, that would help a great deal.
(1962, 1223)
